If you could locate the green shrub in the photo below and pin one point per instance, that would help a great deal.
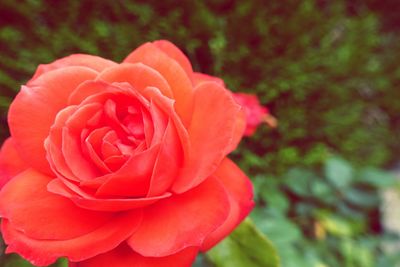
(328, 217)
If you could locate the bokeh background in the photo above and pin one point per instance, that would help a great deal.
(328, 70)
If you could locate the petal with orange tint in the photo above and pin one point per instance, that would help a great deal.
(176, 77)
(27, 204)
(138, 75)
(34, 109)
(93, 62)
(211, 134)
(175, 143)
(43, 252)
(124, 256)
(88, 89)
(53, 144)
(241, 120)
(100, 204)
(240, 127)
(168, 161)
(91, 144)
(181, 221)
(132, 180)
(240, 191)
(10, 162)
(174, 52)
(71, 142)
(201, 77)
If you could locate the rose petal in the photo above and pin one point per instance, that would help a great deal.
(138, 75)
(101, 240)
(240, 127)
(168, 161)
(214, 106)
(176, 77)
(88, 89)
(115, 162)
(160, 122)
(255, 112)
(125, 182)
(10, 162)
(29, 124)
(201, 77)
(91, 203)
(53, 144)
(241, 120)
(178, 142)
(181, 221)
(71, 142)
(240, 191)
(174, 52)
(93, 62)
(124, 256)
(92, 142)
(27, 204)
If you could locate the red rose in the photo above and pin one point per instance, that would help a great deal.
(255, 113)
(121, 164)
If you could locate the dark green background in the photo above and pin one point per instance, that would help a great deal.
(328, 70)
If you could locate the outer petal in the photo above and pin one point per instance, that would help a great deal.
(176, 77)
(209, 144)
(174, 52)
(201, 77)
(10, 162)
(138, 75)
(27, 204)
(124, 256)
(181, 221)
(100, 204)
(34, 109)
(240, 127)
(240, 192)
(44, 252)
(88, 89)
(93, 62)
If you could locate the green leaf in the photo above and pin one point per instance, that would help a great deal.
(339, 226)
(298, 180)
(245, 247)
(322, 191)
(14, 260)
(361, 198)
(339, 172)
(272, 223)
(61, 263)
(201, 261)
(377, 178)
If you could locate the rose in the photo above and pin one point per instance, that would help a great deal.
(255, 113)
(10, 162)
(121, 164)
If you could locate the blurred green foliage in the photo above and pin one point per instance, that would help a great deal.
(328, 70)
(245, 247)
(14, 260)
(327, 217)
